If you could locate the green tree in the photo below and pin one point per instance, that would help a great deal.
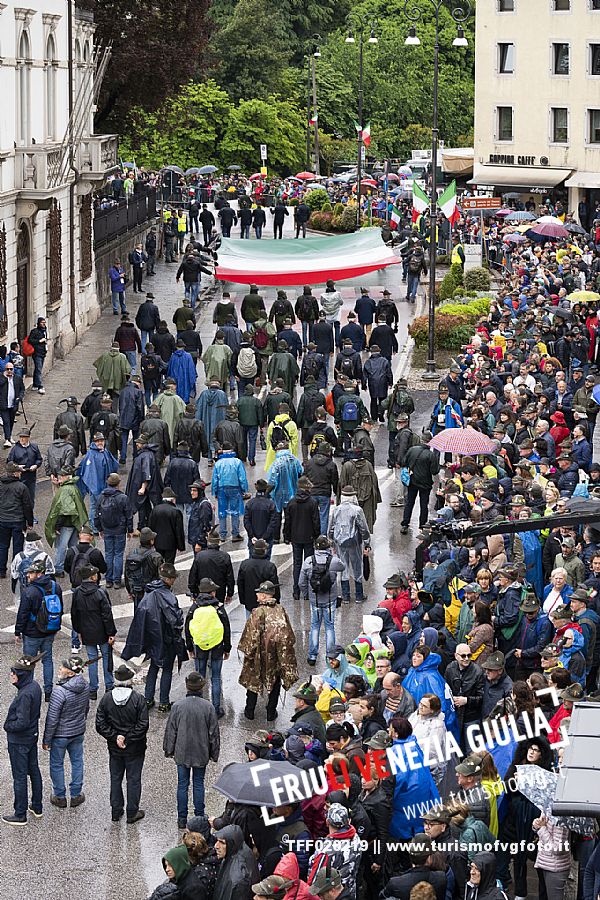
(274, 122)
(252, 49)
(187, 130)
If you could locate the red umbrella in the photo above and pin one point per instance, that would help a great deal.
(256, 177)
(370, 182)
(504, 212)
(464, 441)
(306, 176)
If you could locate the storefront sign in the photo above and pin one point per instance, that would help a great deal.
(501, 159)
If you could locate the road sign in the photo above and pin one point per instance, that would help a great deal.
(263, 170)
(263, 151)
(481, 203)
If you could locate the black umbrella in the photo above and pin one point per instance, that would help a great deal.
(561, 312)
(174, 169)
(238, 783)
(573, 228)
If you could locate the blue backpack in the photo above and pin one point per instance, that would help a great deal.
(350, 412)
(49, 615)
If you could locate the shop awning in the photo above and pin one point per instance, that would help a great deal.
(458, 160)
(518, 178)
(583, 180)
(306, 261)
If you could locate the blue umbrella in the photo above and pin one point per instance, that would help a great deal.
(193, 171)
(520, 215)
(596, 394)
(128, 165)
(207, 170)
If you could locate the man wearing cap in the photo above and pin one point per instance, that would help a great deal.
(142, 566)
(182, 370)
(378, 377)
(131, 413)
(74, 422)
(318, 581)
(35, 640)
(306, 712)
(166, 520)
(144, 483)
(16, 513)
(253, 572)
(201, 515)
(215, 564)
(340, 850)
(261, 519)
(310, 401)
(498, 685)
(349, 533)
(210, 410)
(365, 308)
(147, 318)
(170, 406)
(314, 365)
(192, 739)
(66, 517)
(106, 422)
(253, 307)
(156, 631)
(122, 720)
(60, 453)
(507, 613)
(282, 364)
(112, 368)
(97, 464)
(383, 337)
(22, 731)
(26, 455)
(229, 431)
(114, 520)
(64, 731)
(569, 560)
(33, 551)
(181, 473)
(273, 401)
(534, 633)
(190, 431)
(447, 413)
(92, 619)
(354, 333)
(471, 794)
(217, 361)
(201, 619)
(268, 644)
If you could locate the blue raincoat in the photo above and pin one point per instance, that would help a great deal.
(337, 677)
(427, 680)
(413, 787)
(569, 652)
(532, 549)
(181, 367)
(94, 469)
(229, 483)
(210, 410)
(283, 476)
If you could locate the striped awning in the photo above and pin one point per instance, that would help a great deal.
(305, 261)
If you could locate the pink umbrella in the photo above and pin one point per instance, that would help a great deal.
(255, 177)
(515, 238)
(463, 441)
(504, 212)
(549, 230)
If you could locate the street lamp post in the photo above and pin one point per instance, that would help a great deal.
(312, 53)
(360, 25)
(459, 13)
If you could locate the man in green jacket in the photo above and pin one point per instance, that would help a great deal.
(217, 361)
(253, 307)
(66, 517)
(283, 365)
(171, 407)
(251, 418)
(112, 369)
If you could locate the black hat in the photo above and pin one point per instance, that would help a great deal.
(169, 494)
(32, 536)
(266, 587)
(167, 570)
(123, 674)
(27, 663)
(147, 535)
(494, 662)
(207, 586)
(194, 682)
(260, 548)
(307, 692)
(322, 542)
(381, 740)
(64, 431)
(87, 572)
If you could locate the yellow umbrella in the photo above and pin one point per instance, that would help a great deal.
(584, 297)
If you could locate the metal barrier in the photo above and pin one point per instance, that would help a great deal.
(118, 220)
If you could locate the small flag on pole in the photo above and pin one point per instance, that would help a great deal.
(396, 217)
(366, 134)
(447, 203)
(357, 126)
(314, 118)
(420, 202)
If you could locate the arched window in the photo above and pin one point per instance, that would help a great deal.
(51, 88)
(24, 89)
(78, 60)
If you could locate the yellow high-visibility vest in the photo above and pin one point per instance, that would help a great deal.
(456, 256)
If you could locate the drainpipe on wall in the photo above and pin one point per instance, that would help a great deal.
(72, 201)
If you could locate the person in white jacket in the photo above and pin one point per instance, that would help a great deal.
(429, 728)
(331, 304)
(553, 856)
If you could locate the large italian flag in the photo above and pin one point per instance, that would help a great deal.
(309, 261)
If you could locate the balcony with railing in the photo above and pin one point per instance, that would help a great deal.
(117, 219)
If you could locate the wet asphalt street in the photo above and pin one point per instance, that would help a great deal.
(80, 853)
